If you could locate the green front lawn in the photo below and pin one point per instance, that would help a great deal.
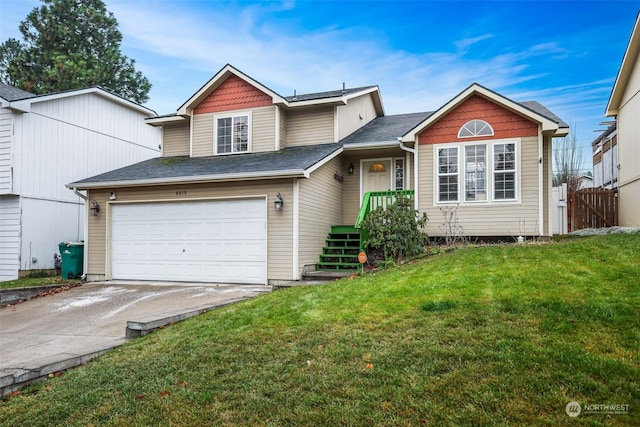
(496, 335)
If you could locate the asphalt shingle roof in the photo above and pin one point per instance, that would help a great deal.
(328, 94)
(386, 128)
(293, 160)
(536, 107)
(11, 93)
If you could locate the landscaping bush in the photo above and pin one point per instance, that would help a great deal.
(396, 230)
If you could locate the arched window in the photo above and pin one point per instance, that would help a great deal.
(475, 128)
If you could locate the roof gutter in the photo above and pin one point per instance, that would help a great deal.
(369, 145)
(295, 173)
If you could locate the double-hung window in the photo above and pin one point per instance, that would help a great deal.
(504, 171)
(475, 173)
(232, 134)
(448, 174)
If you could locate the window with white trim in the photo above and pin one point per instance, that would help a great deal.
(448, 174)
(504, 171)
(475, 173)
(232, 134)
(475, 128)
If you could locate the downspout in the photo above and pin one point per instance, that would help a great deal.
(79, 194)
(415, 171)
(85, 254)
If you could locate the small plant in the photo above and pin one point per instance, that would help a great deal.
(387, 263)
(395, 230)
(451, 228)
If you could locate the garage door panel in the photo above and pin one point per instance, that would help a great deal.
(212, 241)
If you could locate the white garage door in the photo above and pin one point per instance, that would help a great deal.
(204, 241)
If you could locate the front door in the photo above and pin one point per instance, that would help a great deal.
(376, 175)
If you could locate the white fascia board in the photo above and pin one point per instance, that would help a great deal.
(561, 132)
(192, 179)
(371, 145)
(313, 102)
(216, 80)
(322, 162)
(159, 121)
(336, 100)
(24, 105)
(545, 123)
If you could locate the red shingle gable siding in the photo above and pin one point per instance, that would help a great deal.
(233, 94)
(505, 123)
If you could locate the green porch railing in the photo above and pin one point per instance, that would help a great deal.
(371, 201)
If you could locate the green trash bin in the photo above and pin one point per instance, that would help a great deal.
(72, 255)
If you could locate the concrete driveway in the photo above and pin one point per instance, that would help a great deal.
(59, 331)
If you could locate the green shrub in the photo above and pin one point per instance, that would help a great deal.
(395, 230)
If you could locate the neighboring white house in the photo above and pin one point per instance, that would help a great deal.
(605, 159)
(47, 141)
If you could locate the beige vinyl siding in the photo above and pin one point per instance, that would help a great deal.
(351, 184)
(175, 140)
(283, 128)
(279, 236)
(310, 126)
(357, 113)
(320, 207)
(629, 151)
(262, 130)
(351, 191)
(203, 138)
(486, 219)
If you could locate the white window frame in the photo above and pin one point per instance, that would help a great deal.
(490, 172)
(465, 171)
(475, 132)
(515, 171)
(438, 147)
(217, 117)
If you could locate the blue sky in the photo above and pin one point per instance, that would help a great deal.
(564, 54)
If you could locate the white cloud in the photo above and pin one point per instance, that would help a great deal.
(464, 44)
(308, 61)
(179, 49)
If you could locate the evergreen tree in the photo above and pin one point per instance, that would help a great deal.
(71, 44)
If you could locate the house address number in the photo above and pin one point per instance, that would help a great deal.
(181, 193)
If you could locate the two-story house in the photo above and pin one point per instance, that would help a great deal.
(47, 141)
(250, 183)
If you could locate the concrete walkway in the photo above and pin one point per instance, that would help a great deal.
(60, 331)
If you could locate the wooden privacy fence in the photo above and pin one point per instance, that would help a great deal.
(593, 208)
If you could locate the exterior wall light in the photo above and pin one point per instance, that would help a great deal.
(95, 208)
(351, 169)
(278, 202)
